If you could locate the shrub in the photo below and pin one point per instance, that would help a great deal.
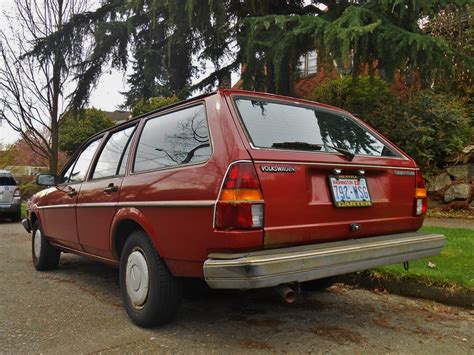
(430, 127)
(74, 130)
(28, 187)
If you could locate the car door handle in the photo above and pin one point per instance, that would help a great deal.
(72, 193)
(111, 188)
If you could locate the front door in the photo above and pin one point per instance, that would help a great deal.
(96, 204)
(59, 211)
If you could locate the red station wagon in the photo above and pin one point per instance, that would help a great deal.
(243, 190)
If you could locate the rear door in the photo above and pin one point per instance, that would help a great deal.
(312, 191)
(96, 204)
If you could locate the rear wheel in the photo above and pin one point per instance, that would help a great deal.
(150, 294)
(318, 285)
(45, 256)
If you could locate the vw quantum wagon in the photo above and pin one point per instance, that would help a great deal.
(240, 189)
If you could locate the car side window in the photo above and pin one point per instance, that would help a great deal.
(83, 162)
(173, 139)
(113, 157)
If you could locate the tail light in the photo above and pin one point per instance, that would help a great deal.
(240, 204)
(421, 201)
(16, 193)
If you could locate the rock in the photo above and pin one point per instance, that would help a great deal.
(439, 182)
(462, 172)
(471, 205)
(468, 149)
(432, 203)
(457, 192)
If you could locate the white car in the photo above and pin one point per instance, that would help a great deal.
(10, 200)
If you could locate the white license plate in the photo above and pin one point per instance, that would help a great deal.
(349, 191)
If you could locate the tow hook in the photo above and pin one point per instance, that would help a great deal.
(406, 266)
(289, 292)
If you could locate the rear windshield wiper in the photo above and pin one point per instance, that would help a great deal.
(310, 146)
(297, 145)
(343, 151)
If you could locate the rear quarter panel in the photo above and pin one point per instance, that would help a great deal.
(183, 233)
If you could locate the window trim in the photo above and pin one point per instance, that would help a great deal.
(357, 121)
(106, 137)
(142, 126)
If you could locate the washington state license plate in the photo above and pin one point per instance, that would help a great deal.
(349, 191)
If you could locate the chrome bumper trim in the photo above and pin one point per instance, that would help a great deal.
(309, 262)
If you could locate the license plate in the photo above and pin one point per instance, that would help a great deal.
(349, 191)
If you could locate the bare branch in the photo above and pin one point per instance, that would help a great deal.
(32, 90)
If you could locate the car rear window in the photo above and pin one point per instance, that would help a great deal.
(285, 126)
(7, 180)
(173, 139)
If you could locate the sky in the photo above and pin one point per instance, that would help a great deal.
(105, 96)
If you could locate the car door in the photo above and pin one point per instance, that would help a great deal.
(59, 211)
(96, 204)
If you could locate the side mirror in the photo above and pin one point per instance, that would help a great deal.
(46, 180)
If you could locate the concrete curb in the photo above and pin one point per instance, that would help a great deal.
(453, 297)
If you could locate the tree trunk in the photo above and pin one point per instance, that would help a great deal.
(53, 160)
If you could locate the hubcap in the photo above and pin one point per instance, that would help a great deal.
(136, 278)
(37, 243)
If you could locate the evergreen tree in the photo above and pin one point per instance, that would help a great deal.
(163, 36)
(363, 35)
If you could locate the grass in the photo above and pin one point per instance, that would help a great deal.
(23, 210)
(454, 266)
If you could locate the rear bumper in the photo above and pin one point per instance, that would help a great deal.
(309, 262)
(9, 208)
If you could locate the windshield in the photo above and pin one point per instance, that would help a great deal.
(7, 180)
(286, 126)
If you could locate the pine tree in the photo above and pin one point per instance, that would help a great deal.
(162, 38)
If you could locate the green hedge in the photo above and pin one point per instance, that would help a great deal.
(429, 126)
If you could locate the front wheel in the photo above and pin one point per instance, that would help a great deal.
(45, 256)
(150, 294)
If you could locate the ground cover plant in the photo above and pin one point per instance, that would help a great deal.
(453, 268)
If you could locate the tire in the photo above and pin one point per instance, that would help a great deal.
(150, 294)
(318, 285)
(45, 256)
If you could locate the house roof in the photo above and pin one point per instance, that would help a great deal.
(118, 116)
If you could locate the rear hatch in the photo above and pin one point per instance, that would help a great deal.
(7, 188)
(325, 175)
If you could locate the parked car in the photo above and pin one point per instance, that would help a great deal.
(243, 190)
(10, 199)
